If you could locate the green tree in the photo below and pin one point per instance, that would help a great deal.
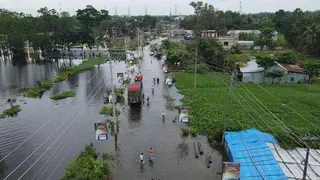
(91, 20)
(212, 51)
(312, 68)
(265, 38)
(235, 60)
(265, 61)
(287, 57)
(87, 166)
(282, 41)
(275, 74)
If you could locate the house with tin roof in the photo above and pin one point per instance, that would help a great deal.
(251, 72)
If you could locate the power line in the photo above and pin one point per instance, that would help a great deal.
(49, 120)
(46, 140)
(99, 83)
(82, 110)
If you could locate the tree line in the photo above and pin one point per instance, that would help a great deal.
(52, 30)
(298, 30)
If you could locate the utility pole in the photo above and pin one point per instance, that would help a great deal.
(227, 109)
(138, 47)
(128, 62)
(195, 67)
(113, 97)
(306, 161)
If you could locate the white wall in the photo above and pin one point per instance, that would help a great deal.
(255, 77)
(288, 76)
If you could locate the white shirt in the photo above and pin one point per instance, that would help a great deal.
(163, 114)
(141, 157)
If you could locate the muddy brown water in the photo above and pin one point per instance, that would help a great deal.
(64, 136)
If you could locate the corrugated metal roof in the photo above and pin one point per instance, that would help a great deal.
(292, 68)
(256, 159)
(251, 66)
(291, 161)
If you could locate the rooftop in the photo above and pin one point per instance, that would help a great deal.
(251, 66)
(292, 68)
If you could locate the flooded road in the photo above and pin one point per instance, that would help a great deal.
(46, 151)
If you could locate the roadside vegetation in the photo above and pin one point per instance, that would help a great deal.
(63, 95)
(134, 61)
(10, 112)
(87, 166)
(208, 104)
(107, 110)
(37, 91)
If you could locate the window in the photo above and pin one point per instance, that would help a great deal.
(292, 79)
(225, 43)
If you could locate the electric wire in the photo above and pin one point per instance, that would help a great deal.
(49, 120)
(60, 146)
(82, 110)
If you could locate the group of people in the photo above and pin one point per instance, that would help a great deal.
(150, 156)
(154, 80)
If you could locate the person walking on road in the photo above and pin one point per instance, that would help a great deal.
(141, 158)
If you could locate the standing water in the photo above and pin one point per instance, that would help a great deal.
(66, 126)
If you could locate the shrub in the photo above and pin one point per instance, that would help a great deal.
(107, 110)
(193, 132)
(185, 132)
(63, 95)
(13, 111)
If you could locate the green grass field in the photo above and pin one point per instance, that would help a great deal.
(208, 102)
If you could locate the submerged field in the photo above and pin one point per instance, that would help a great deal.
(289, 108)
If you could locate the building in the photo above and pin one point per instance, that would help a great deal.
(209, 33)
(227, 41)
(235, 33)
(261, 157)
(245, 45)
(253, 73)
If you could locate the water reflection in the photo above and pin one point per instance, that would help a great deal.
(134, 116)
(3, 168)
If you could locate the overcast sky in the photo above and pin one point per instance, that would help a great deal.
(158, 7)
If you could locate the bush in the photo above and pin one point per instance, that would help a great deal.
(107, 110)
(13, 111)
(63, 95)
(38, 90)
(87, 166)
(134, 61)
(185, 132)
(193, 132)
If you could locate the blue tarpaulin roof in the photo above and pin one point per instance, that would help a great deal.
(256, 159)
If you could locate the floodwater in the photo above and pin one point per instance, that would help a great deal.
(47, 135)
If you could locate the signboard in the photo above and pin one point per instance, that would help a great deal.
(231, 171)
(101, 131)
(120, 77)
(183, 114)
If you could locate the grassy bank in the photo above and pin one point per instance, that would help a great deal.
(63, 95)
(13, 111)
(38, 90)
(208, 105)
